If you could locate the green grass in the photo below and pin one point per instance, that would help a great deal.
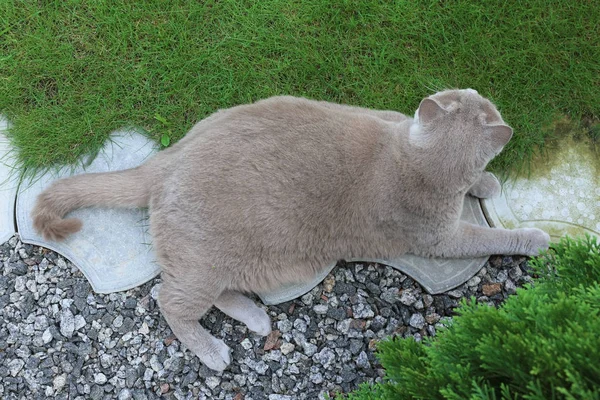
(71, 72)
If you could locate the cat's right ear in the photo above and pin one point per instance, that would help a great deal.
(429, 110)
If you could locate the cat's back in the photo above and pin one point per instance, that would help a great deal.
(281, 137)
(280, 159)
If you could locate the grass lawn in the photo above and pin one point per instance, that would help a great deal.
(71, 71)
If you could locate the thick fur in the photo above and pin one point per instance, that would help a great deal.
(265, 194)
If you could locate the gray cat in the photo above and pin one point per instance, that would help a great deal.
(262, 195)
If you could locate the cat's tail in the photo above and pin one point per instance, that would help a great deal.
(128, 188)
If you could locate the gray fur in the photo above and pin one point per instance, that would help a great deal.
(266, 194)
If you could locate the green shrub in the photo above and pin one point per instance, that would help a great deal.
(570, 264)
(542, 343)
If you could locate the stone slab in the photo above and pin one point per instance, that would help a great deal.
(435, 275)
(113, 249)
(8, 185)
(560, 194)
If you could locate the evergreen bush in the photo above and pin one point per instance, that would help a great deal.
(542, 343)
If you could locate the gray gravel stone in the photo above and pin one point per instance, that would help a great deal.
(363, 360)
(390, 295)
(59, 382)
(67, 323)
(212, 382)
(501, 276)
(287, 348)
(325, 357)
(15, 366)
(125, 394)
(515, 272)
(362, 310)
(309, 348)
(321, 309)
(417, 321)
(408, 297)
(118, 321)
(474, 281)
(510, 287)
(456, 294)
(100, 378)
(61, 340)
(284, 326)
(316, 378)
(307, 299)
(247, 344)
(280, 397)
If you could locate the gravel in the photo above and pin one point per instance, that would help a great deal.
(59, 339)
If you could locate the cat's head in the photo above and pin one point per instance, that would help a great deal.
(460, 123)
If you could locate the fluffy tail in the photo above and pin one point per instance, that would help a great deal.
(128, 188)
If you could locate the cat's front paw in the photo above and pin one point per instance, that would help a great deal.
(486, 187)
(533, 241)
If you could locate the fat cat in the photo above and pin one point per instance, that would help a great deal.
(265, 194)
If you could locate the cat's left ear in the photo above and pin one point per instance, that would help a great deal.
(499, 135)
(429, 110)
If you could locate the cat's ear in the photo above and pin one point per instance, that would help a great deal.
(499, 134)
(429, 110)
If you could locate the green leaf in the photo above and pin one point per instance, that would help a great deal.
(161, 119)
(165, 140)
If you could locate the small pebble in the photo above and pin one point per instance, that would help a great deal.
(287, 348)
(67, 323)
(408, 297)
(100, 378)
(59, 382)
(417, 321)
(491, 289)
(474, 281)
(247, 344)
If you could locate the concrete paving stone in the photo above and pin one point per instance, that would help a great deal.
(560, 194)
(113, 249)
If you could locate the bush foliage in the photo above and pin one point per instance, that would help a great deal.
(542, 343)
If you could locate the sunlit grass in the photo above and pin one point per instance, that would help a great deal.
(71, 72)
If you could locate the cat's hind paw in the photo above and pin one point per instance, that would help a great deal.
(260, 323)
(216, 356)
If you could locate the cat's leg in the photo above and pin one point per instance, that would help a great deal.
(182, 307)
(240, 307)
(478, 241)
(486, 187)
